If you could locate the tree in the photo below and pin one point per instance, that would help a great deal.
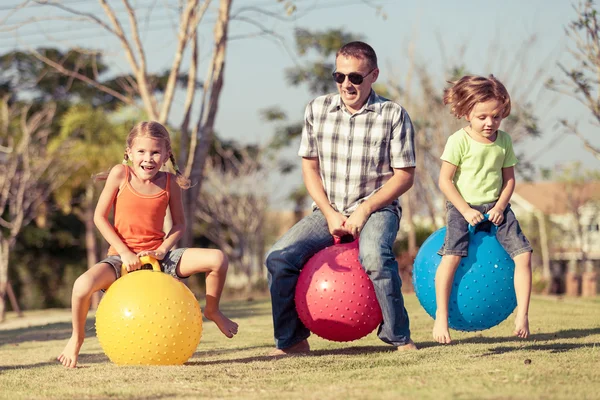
(100, 142)
(28, 174)
(197, 135)
(581, 81)
(233, 205)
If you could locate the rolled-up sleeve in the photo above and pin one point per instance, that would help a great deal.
(402, 148)
(308, 147)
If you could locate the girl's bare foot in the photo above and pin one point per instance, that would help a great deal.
(408, 346)
(521, 326)
(299, 348)
(440, 331)
(69, 355)
(227, 326)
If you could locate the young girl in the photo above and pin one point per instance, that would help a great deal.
(477, 177)
(140, 195)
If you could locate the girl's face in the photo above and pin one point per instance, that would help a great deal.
(147, 156)
(485, 119)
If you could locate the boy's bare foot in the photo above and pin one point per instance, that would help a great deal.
(69, 355)
(408, 346)
(227, 326)
(440, 331)
(299, 348)
(522, 326)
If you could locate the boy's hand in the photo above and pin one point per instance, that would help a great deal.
(496, 216)
(157, 254)
(356, 221)
(473, 216)
(131, 261)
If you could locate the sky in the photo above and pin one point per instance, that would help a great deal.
(519, 41)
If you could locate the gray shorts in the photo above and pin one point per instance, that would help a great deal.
(508, 233)
(168, 265)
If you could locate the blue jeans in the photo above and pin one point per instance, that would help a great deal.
(287, 257)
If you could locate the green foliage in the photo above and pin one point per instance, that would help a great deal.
(317, 74)
(422, 233)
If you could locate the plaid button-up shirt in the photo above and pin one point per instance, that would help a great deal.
(356, 152)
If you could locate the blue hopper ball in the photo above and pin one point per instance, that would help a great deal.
(483, 293)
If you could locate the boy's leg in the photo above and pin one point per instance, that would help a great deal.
(523, 293)
(100, 276)
(511, 237)
(284, 262)
(456, 246)
(444, 276)
(214, 264)
(377, 258)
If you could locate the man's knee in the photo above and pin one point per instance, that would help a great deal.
(374, 258)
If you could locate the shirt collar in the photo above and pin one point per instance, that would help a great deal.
(374, 103)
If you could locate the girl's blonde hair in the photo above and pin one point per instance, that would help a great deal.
(154, 130)
(470, 90)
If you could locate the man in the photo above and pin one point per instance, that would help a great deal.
(358, 157)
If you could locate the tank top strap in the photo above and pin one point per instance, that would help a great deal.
(126, 181)
(168, 187)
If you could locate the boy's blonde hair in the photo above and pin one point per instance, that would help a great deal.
(154, 130)
(470, 90)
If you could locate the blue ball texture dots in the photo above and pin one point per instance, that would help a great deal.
(482, 293)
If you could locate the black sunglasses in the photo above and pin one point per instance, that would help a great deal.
(354, 77)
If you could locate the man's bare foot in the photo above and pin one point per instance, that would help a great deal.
(408, 346)
(522, 326)
(299, 348)
(69, 355)
(440, 331)
(227, 326)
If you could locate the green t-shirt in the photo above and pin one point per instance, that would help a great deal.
(478, 176)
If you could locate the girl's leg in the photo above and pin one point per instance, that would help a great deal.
(444, 277)
(523, 292)
(100, 276)
(214, 263)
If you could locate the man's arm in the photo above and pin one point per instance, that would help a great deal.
(314, 185)
(398, 184)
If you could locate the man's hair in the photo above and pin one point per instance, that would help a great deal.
(359, 50)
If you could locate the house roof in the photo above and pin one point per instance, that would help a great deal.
(555, 197)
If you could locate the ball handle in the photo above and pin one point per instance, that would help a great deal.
(144, 260)
(485, 218)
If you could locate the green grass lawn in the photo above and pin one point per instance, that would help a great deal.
(561, 360)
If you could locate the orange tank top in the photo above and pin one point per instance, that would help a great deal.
(139, 218)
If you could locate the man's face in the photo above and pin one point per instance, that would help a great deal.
(353, 95)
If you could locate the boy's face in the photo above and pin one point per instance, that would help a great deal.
(355, 96)
(485, 119)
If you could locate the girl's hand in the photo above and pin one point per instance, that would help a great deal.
(496, 216)
(157, 254)
(131, 261)
(473, 216)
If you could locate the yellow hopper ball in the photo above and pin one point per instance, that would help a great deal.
(148, 318)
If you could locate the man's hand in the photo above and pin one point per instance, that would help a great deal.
(337, 224)
(356, 221)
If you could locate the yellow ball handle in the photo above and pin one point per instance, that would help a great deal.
(144, 260)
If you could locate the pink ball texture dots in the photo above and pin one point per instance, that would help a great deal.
(335, 299)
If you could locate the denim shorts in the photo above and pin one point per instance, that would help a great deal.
(168, 264)
(508, 233)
